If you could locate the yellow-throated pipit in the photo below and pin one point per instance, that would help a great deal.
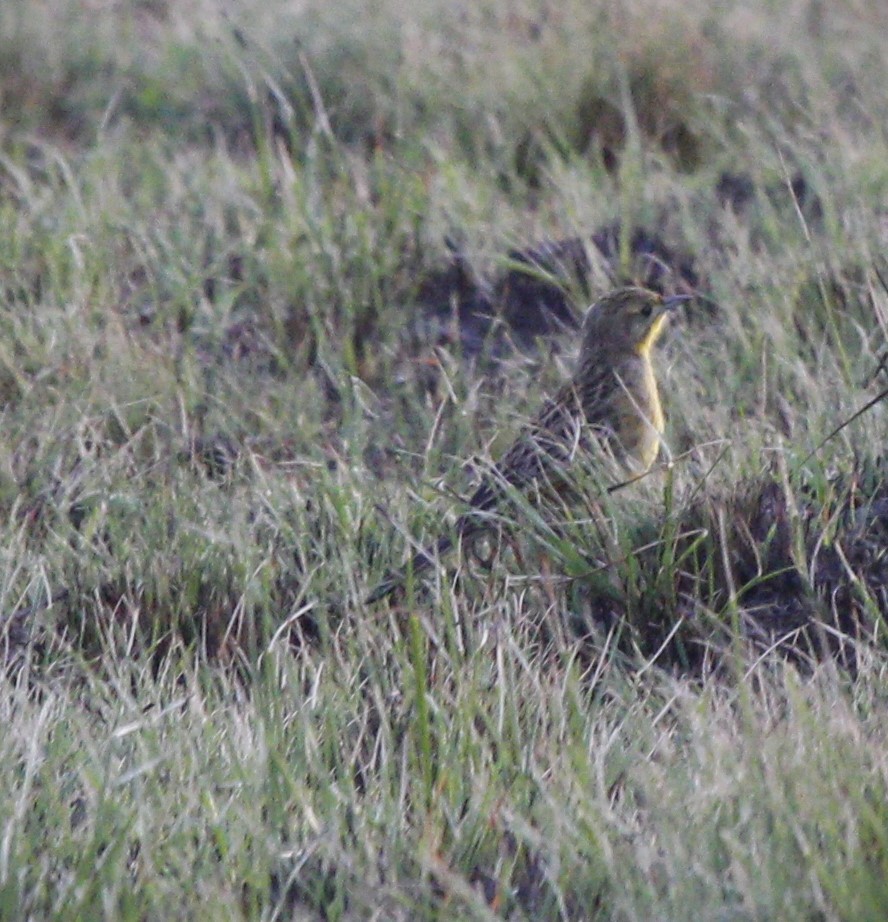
(610, 407)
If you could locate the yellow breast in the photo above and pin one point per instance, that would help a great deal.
(639, 421)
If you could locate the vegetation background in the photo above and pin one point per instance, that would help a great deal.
(271, 275)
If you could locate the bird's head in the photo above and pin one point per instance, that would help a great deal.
(628, 320)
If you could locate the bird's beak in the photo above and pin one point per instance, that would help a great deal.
(673, 301)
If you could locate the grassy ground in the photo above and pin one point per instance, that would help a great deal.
(242, 250)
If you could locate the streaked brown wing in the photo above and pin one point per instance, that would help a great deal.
(546, 446)
(541, 452)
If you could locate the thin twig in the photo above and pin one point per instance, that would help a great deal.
(867, 406)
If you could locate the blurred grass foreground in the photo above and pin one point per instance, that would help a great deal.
(277, 281)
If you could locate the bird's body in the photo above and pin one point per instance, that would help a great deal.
(610, 409)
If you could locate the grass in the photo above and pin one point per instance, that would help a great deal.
(241, 373)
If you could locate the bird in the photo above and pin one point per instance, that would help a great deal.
(610, 408)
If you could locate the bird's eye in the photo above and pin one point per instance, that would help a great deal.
(647, 310)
